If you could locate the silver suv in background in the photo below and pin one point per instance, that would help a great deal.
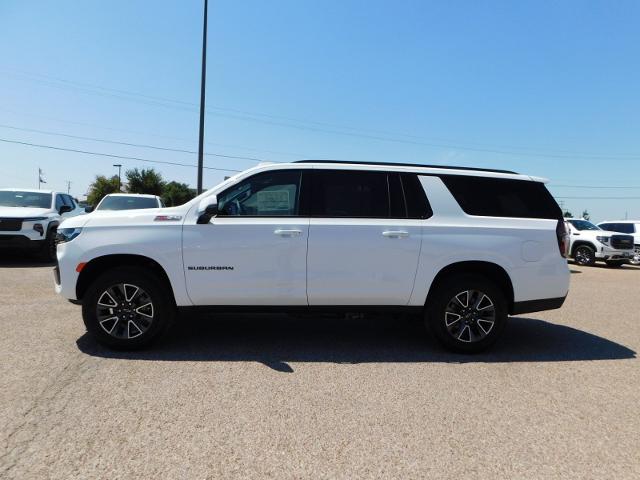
(29, 219)
(630, 227)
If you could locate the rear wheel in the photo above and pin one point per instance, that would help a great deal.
(125, 308)
(584, 255)
(467, 313)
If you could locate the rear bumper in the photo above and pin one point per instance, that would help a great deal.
(529, 306)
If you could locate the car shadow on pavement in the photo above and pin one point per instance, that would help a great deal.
(275, 340)
(21, 260)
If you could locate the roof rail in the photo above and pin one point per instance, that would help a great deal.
(393, 164)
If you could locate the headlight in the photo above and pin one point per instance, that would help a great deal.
(604, 240)
(67, 234)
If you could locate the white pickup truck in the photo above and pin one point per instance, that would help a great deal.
(589, 243)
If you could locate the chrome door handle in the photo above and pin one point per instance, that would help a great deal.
(288, 233)
(395, 234)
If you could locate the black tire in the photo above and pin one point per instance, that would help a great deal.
(584, 255)
(615, 263)
(47, 252)
(135, 326)
(474, 331)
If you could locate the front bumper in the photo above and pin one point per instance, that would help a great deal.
(19, 241)
(605, 252)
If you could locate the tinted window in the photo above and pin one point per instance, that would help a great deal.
(417, 203)
(59, 202)
(268, 194)
(68, 201)
(583, 225)
(497, 197)
(618, 227)
(18, 198)
(355, 194)
(127, 203)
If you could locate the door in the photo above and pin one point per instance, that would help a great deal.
(254, 251)
(363, 247)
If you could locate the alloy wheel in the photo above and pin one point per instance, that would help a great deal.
(584, 256)
(125, 311)
(470, 316)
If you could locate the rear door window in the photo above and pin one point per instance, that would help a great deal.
(350, 194)
(498, 197)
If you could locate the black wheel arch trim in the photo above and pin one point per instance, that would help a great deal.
(98, 265)
(530, 306)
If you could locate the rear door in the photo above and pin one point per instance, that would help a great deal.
(363, 247)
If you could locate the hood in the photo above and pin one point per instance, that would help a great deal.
(598, 233)
(23, 212)
(122, 218)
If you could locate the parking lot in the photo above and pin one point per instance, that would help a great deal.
(284, 397)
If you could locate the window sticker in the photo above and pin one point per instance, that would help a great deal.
(273, 200)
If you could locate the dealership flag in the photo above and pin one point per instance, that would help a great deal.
(41, 176)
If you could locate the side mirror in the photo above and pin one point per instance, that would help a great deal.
(65, 209)
(89, 209)
(210, 211)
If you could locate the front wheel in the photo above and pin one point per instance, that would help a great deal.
(635, 260)
(127, 309)
(467, 314)
(585, 255)
(47, 252)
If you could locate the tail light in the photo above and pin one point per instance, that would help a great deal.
(563, 238)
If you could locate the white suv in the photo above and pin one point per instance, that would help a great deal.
(589, 243)
(465, 247)
(126, 201)
(29, 218)
(630, 227)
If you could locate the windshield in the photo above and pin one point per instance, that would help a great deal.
(583, 225)
(127, 203)
(25, 199)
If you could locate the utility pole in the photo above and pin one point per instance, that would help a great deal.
(68, 187)
(202, 92)
(119, 165)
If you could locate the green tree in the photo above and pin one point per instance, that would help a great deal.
(100, 187)
(568, 214)
(176, 193)
(144, 181)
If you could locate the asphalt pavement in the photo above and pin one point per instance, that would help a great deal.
(321, 397)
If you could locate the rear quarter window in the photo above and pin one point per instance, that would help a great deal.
(498, 197)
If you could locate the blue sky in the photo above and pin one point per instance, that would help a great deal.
(545, 88)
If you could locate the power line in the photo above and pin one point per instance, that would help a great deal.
(110, 155)
(128, 144)
(168, 137)
(596, 186)
(600, 198)
(249, 116)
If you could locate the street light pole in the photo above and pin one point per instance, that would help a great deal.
(202, 91)
(119, 165)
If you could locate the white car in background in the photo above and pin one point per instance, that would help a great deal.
(127, 201)
(631, 227)
(589, 243)
(29, 219)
